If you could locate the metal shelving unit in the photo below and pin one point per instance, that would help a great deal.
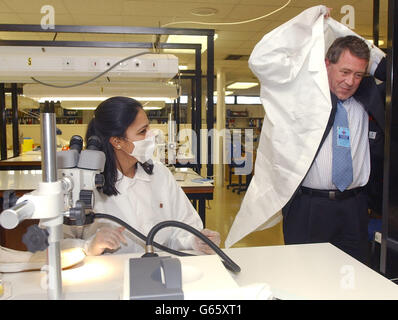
(196, 76)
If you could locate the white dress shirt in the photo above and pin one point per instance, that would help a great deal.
(144, 201)
(320, 173)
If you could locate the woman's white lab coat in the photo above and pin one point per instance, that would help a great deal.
(289, 62)
(144, 201)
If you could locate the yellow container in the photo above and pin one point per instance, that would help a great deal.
(27, 144)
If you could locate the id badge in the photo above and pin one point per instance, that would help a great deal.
(343, 137)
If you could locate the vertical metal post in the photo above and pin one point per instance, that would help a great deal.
(198, 103)
(178, 113)
(3, 122)
(220, 126)
(390, 183)
(193, 121)
(48, 143)
(15, 132)
(210, 103)
(49, 174)
(376, 9)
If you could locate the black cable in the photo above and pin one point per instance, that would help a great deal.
(139, 234)
(170, 223)
(228, 263)
(92, 79)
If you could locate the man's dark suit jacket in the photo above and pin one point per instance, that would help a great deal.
(371, 97)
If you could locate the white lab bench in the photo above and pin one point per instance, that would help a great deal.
(309, 272)
(23, 181)
(30, 160)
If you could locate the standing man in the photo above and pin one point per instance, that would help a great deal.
(331, 205)
(320, 194)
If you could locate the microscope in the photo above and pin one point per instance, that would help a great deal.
(65, 195)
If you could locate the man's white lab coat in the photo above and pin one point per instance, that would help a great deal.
(289, 62)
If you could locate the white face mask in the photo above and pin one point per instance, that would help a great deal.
(143, 149)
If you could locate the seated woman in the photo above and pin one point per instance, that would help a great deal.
(138, 191)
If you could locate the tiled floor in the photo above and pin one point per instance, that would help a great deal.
(221, 213)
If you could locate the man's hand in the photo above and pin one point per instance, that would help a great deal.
(327, 14)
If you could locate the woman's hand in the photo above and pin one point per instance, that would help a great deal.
(106, 238)
(200, 245)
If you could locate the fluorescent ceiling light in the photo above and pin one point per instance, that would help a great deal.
(149, 103)
(41, 100)
(101, 91)
(77, 99)
(153, 108)
(226, 93)
(248, 100)
(381, 42)
(183, 67)
(187, 39)
(227, 99)
(80, 108)
(165, 99)
(242, 85)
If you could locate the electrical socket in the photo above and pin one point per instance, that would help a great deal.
(67, 63)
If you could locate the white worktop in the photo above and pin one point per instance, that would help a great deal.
(30, 179)
(309, 271)
(28, 156)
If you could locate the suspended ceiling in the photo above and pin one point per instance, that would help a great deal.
(232, 47)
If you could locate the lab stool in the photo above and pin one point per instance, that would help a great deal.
(241, 169)
(232, 171)
(243, 187)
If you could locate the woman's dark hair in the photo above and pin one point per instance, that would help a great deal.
(355, 45)
(111, 119)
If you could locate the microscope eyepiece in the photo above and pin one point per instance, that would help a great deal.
(94, 143)
(76, 143)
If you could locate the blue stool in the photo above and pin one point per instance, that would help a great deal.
(374, 226)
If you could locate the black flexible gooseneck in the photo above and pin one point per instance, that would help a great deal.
(149, 240)
(171, 223)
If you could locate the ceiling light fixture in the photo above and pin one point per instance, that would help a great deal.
(153, 108)
(204, 12)
(226, 93)
(43, 99)
(381, 42)
(242, 85)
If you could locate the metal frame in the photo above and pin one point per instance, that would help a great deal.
(196, 110)
(126, 30)
(3, 122)
(376, 14)
(389, 241)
